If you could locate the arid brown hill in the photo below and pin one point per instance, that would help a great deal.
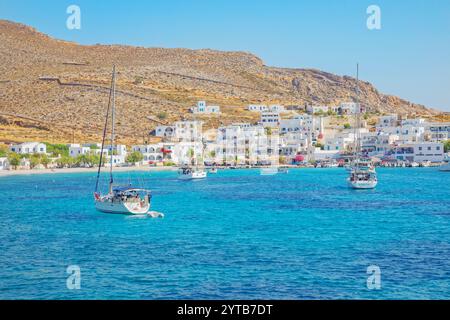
(56, 88)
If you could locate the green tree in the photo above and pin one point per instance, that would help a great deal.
(65, 161)
(56, 150)
(94, 160)
(3, 151)
(134, 157)
(447, 146)
(35, 160)
(45, 160)
(14, 159)
(347, 126)
(81, 160)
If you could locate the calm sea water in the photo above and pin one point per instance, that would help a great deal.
(236, 235)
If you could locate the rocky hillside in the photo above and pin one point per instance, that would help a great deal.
(57, 90)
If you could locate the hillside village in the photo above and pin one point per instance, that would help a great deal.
(306, 137)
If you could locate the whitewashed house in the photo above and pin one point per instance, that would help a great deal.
(4, 163)
(188, 131)
(390, 120)
(244, 144)
(377, 143)
(29, 148)
(418, 152)
(276, 108)
(152, 153)
(118, 149)
(270, 119)
(76, 150)
(347, 108)
(203, 108)
(311, 109)
(340, 142)
(165, 131)
(257, 108)
(292, 144)
(438, 131)
(181, 153)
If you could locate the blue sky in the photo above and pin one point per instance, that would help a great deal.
(408, 57)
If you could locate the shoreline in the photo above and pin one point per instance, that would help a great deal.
(7, 173)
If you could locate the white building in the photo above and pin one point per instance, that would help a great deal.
(270, 119)
(407, 133)
(151, 152)
(258, 108)
(318, 109)
(188, 153)
(245, 144)
(165, 131)
(4, 163)
(188, 130)
(309, 125)
(276, 108)
(292, 144)
(438, 131)
(347, 108)
(264, 108)
(29, 148)
(418, 152)
(390, 120)
(118, 149)
(340, 142)
(76, 150)
(203, 108)
(377, 144)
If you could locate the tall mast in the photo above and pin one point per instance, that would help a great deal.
(112, 124)
(358, 135)
(104, 131)
(357, 117)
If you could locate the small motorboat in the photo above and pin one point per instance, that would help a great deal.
(188, 173)
(270, 171)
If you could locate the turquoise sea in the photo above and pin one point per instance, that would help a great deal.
(236, 235)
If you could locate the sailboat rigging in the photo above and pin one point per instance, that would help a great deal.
(119, 199)
(363, 174)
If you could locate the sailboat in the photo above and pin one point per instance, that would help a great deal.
(363, 174)
(119, 199)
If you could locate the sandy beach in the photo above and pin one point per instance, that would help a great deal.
(4, 173)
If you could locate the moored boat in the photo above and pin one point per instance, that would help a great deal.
(119, 199)
(188, 173)
(363, 174)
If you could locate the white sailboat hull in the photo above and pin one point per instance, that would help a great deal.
(445, 167)
(370, 184)
(122, 207)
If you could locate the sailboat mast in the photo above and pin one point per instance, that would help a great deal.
(104, 132)
(358, 104)
(112, 123)
(358, 115)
